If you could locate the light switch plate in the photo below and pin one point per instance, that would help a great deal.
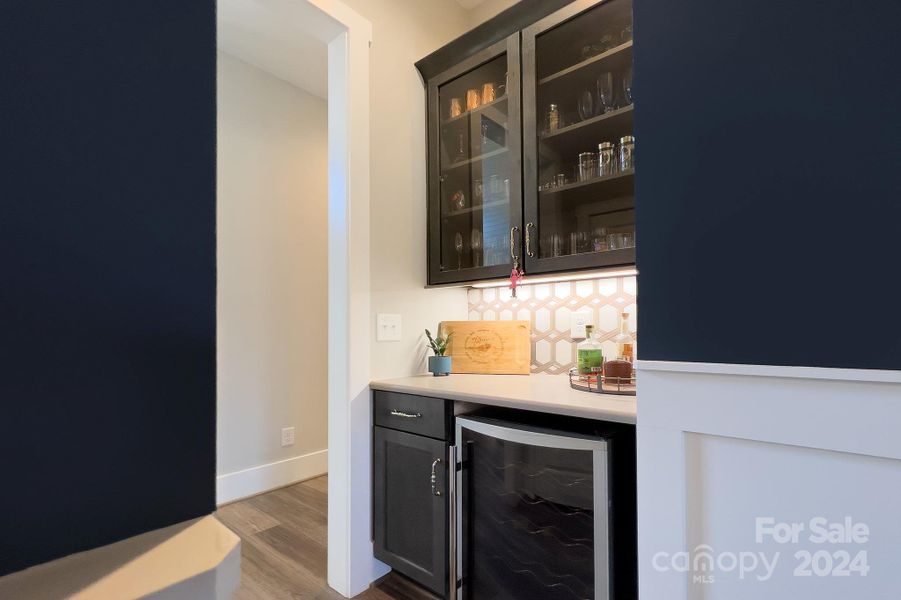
(387, 328)
(577, 322)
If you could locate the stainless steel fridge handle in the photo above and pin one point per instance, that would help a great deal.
(434, 477)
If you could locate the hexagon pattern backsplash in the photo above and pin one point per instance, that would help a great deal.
(549, 306)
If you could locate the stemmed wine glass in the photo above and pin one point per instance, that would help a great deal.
(458, 246)
(475, 242)
(627, 85)
(605, 92)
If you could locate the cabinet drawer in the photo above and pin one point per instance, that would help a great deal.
(431, 417)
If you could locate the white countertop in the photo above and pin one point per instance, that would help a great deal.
(541, 393)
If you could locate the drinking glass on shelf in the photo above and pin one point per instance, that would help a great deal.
(489, 93)
(552, 119)
(458, 246)
(475, 242)
(627, 85)
(616, 241)
(587, 166)
(559, 180)
(629, 239)
(599, 239)
(605, 92)
(456, 107)
(606, 162)
(627, 152)
(473, 99)
(586, 105)
(556, 244)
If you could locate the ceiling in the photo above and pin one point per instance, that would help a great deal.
(468, 4)
(287, 38)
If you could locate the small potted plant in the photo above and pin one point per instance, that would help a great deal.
(439, 365)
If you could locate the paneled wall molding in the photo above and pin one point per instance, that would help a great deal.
(872, 375)
(716, 451)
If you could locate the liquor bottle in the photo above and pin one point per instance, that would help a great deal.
(589, 353)
(625, 343)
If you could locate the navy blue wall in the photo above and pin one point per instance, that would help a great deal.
(769, 181)
(107, 298)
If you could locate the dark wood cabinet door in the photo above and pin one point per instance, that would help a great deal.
(578, 196)
(475, 174)
(410, 507)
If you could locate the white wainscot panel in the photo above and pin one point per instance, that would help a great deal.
(792, 498)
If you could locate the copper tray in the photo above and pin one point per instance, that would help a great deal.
(600, 384)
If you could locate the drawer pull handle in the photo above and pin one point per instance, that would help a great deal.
(406, 415)
(434, 478)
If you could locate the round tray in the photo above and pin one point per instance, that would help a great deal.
(599, 384)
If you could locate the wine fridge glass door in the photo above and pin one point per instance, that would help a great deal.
(532, 514)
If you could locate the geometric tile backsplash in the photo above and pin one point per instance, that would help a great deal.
(548, 307)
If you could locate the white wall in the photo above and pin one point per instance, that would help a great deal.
(488, 9)
(403, 32)
(272, 280)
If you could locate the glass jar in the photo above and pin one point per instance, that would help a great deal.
(606, 164)
(626, 153)
(553, 118)
(587, 166)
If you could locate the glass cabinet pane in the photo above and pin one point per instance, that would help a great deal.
(581, 190)
(476, 167)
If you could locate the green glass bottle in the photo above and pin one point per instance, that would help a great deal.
(589, 353)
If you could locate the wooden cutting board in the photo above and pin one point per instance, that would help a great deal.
(489, 347)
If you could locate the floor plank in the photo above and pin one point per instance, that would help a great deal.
(284, 547)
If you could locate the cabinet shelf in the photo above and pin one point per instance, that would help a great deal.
(474, 209)
(474, 159)
(596, 129)
(615, 58)
(475, 111)
(622, 177)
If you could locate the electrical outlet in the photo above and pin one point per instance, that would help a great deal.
(387, 328)
(287, 436)
(577, 322)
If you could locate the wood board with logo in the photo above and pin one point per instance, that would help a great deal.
(489, 347)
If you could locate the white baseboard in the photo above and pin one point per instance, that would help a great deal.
(256, 480)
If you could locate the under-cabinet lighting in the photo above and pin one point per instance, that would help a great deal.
(558, 278)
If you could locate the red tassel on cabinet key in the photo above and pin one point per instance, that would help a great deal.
(515, 278)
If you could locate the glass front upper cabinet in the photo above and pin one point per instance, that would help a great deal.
(579, 151)
(475, 176)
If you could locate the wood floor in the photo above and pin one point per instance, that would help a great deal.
(283, 547)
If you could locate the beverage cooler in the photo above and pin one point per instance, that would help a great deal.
(532, 514)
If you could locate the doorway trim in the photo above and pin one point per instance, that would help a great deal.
(351, 564)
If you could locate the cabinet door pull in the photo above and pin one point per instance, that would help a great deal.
(434, 477)
(406, 415)
(529, 251)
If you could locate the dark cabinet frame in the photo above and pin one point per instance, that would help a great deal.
(510, 46)
(533, 262)
(479, 47)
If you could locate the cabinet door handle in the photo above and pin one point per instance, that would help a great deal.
(406, 415)
(529, 251)
(433, 479)
(513, 256)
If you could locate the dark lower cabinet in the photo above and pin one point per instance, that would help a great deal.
(410, 521)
